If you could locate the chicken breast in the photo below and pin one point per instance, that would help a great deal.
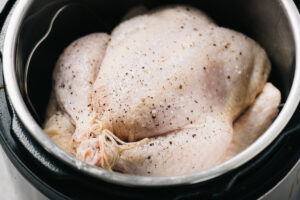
(170, 63)
(173, 76)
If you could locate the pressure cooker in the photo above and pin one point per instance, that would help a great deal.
(268, 169)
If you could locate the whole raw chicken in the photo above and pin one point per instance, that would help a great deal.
(167, 93)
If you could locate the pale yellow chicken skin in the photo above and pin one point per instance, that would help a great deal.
(172, 76)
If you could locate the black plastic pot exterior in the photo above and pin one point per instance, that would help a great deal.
(57, 180)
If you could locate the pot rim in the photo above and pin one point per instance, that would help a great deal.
(36, 131)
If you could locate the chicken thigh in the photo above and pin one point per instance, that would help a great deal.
(173, 76)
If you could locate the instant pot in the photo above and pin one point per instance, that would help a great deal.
(268, 169)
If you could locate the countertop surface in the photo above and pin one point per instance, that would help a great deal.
(2, 3)
(13, 185)
(6, 183)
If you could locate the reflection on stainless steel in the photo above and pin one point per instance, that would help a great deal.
(2, 4)
(275, 24)
(32, 53)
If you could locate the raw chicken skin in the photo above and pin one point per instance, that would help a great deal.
(172, 76)
(169, 64)
(74, 76)
(255, 121)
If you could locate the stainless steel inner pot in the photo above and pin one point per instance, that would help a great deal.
(275, 24)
